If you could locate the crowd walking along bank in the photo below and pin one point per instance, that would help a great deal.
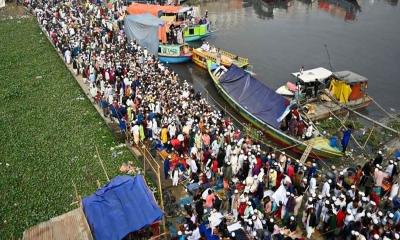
(236, 188)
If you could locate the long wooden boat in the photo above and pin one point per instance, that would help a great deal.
(174, 53)
(200, 58)
(321, 148)
(346, 87)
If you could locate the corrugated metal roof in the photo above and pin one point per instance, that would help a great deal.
(71, 225)
(350, 77)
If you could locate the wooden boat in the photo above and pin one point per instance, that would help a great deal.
(200, 58)
(174, 53)
(346, 87)
(246, 101)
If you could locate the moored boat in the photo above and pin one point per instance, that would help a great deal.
(262, 107)
(320, 91)
(174, 53)
(201, 56)
(193, 30)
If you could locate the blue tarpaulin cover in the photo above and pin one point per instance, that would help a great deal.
(261, 101)
(144, 29)
(122, 206)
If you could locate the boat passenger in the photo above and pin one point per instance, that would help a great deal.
(205, 47)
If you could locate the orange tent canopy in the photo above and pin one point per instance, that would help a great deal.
(140, 8)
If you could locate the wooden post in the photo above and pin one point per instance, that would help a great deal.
(101, 163)
(144, 160)
(161, 196)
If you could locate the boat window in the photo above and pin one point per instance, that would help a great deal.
(191, 31)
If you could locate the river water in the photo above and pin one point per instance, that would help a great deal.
(281, 36)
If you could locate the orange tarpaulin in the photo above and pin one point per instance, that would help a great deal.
(140, 8)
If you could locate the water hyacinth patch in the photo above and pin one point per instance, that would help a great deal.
(48, 133)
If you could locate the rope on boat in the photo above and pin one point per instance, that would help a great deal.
(383, 110)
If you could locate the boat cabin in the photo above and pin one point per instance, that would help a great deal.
(173, 50)
(348, 86)
(310, 82)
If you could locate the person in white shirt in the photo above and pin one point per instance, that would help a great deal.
(326, 187)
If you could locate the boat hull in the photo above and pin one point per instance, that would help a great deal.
(275, 135)
(174, 60)
(196, 37)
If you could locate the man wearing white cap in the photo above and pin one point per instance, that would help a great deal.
(235, 204)
(326, 188)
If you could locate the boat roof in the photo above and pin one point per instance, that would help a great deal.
(312, 75)
(140, 8)
(350, 77)
(185, 9)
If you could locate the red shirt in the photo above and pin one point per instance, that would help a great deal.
(340, 219)
(290, 171)
(214, 166)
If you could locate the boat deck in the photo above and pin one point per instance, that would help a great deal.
(323, 110)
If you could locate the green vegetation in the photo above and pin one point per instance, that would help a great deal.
(49, 132)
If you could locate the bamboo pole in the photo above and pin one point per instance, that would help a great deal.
(369, 135)
(101, 163)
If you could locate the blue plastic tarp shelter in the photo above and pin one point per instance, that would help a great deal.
(122, 206)
(253, 95)
(144, 29)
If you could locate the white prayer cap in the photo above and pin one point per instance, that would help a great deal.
(254, 217)
(327, 202)
(248, 203)
(391, 161)
(375, 221)
(319, 196)
(364, 199)
(396, 236)
(313, 195)
(334, 198)
(310, 199)
(372, 202)
(233, 234)
(283, 153)
(353, 186)
(380, 213)
(391, 215)
(333, 167)
(380, 152)
(376, 236)
(271, 220)
(236, 191)
(342, 196)
(179, 233)
(329, 181)
(328, 194)
(348, 211)
(292, 218)
(314, 164)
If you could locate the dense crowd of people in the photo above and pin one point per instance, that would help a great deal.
(238, 188)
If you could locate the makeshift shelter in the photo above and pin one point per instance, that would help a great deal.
(122, 206)
(144, 28)
(71, 225)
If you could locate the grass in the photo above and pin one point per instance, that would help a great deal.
(48, 132)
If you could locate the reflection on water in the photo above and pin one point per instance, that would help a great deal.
(265, 8)
(345, 9)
